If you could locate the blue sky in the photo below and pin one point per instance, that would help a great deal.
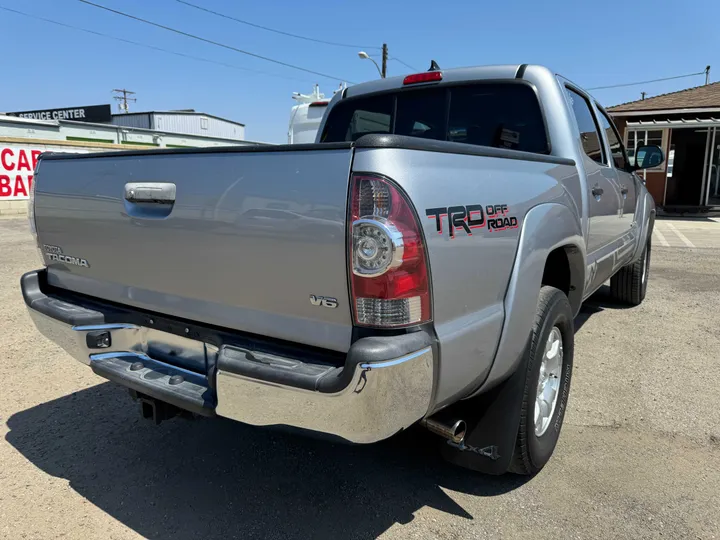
(591, 43)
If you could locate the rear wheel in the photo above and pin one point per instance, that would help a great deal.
(629, 285)
(547, 384)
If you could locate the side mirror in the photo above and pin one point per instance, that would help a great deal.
(648, 156)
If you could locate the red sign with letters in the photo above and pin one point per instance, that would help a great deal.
(17, 163)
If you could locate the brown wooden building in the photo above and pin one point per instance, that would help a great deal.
(684, 124)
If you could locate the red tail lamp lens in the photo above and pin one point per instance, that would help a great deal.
(389, 276)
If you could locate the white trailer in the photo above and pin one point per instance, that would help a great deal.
(306, 116)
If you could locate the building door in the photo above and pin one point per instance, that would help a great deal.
(684, 187)
(712, 181)
(603, 195)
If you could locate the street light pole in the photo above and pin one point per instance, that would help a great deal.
(365, 56)
(383, 73)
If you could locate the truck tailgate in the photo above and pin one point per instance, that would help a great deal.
(250, 236)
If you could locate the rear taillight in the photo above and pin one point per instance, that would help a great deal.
(31, 204)
(389, 275)
(31, 212)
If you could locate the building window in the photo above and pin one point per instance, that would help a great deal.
(203, 122)
(640, 137)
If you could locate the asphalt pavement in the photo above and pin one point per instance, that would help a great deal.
(638, 456)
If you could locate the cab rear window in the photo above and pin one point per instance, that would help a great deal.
(500, 115)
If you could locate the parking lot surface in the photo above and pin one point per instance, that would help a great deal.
(638, 457)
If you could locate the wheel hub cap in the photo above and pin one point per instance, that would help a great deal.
(548, 386)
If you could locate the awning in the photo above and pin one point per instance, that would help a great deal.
(681, 123)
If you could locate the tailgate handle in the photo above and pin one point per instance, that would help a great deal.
(150, 192)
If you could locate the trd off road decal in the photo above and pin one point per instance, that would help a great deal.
(498, 220)
(492, 217)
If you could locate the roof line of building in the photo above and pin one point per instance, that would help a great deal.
(57, 123)
(181, 112)
(662, 95)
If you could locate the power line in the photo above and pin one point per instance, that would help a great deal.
(647, 82)
(216, 43)
(241, 21)
(404, 63)
(152, 47)
(229, 17)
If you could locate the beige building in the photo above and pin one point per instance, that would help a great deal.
(685, 125)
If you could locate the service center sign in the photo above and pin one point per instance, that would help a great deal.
(87, 113)
(17, 164)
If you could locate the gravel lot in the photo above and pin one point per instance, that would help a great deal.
(639, 455)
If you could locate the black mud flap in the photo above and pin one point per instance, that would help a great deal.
(493, 420)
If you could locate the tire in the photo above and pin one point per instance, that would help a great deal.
(535, 444)
(629, 284)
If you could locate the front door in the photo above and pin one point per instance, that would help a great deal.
(603, 193)
(626, 182)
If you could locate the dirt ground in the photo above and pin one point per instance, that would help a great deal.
(638, 457)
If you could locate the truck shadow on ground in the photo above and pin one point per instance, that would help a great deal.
(220, 479)
(599, 301)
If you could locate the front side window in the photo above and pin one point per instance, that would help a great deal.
(589, 133)
(500, 115)
(617, 150)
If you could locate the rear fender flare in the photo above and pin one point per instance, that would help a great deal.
(545, 228)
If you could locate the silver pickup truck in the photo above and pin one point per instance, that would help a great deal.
(421, 263)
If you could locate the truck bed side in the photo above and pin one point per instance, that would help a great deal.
(469, 272)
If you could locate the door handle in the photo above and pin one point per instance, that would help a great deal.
(623, 190)
(150, 192)
(597, 191)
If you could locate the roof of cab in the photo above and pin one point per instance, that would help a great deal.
(449, 75)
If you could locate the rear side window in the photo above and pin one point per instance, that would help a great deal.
(589, 133)
(499, 115)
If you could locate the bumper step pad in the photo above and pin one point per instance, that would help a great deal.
(177, 386)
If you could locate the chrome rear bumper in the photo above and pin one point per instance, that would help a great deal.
(382, 389)
(382, 399)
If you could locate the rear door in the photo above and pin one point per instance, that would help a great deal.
(603, 193)
(241, 240)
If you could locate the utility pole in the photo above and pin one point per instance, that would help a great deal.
(123, 99)
(384, 60)
(707, 74)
